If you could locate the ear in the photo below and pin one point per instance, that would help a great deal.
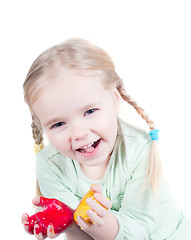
(117, 98)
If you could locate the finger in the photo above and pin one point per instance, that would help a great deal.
(37, 232)
(96, 188)
(25, 221)
(100, 210)
(105, 202)
(82, 223)
(95, 218)
(36, 201)
(41, 201)
(50, 232)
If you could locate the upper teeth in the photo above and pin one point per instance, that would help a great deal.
(87, 146)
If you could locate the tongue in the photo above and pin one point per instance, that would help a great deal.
(89, 149)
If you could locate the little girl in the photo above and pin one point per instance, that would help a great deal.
(73, 93)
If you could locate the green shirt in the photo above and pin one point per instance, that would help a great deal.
(140, 217)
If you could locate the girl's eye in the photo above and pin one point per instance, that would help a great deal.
(57, 125)
(90, 111)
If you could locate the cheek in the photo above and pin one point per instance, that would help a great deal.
(58, 141)
(108, 127)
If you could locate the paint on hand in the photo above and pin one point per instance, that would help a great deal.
(83, 207)
(56, 213)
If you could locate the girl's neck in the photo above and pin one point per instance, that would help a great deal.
(94, 172)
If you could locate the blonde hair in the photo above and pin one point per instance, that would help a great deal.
(80, 54)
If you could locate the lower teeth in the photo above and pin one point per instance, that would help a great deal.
(84, 151)
(93, 146)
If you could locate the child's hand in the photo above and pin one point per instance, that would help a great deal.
(98, 208)
(54, 219)
(101, 219)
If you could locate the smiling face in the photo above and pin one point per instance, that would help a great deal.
(79, 116)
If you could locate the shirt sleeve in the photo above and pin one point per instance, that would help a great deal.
(51, 182)
(138, 208)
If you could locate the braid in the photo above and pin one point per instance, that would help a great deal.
(36, 130)
(139, 110)
(154, 166)
(37, 133)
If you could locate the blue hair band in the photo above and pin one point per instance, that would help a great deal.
(154, 134)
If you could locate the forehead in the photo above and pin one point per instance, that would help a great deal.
(77, 83)
(69, 90)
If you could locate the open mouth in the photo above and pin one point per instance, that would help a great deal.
(90, 148)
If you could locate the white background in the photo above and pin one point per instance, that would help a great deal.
(149, 42)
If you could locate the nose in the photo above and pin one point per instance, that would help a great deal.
(78, 132)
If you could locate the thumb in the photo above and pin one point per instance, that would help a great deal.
(41, 201)
(96, 188)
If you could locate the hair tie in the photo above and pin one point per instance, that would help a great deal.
(154, 134)
(38, 147)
